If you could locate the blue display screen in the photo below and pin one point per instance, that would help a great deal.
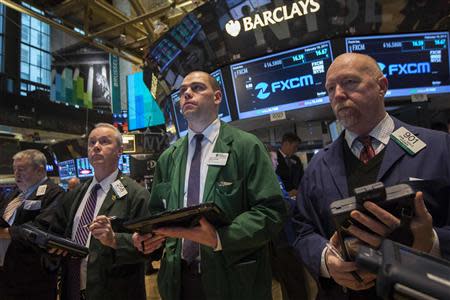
(284, 81)
(224, 111)
(416, 63)
(124, 163)
(67, 169)
(143, 111)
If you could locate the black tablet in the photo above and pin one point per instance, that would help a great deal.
(183, 217)
(47, 240)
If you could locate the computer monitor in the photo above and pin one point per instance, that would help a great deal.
(283, 81)
(180, 121)
(84, 168)
(143, 110)
(414, 63)
(124, 164)
(67, 169)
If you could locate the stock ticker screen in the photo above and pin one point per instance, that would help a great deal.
(180, 121)
(416, 63)
(67, 169)
(284, 81)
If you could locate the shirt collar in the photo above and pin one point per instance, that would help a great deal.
(381, 132)
(282, 153)
(210, 133)
(106, 182)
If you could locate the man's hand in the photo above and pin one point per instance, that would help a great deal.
(204, 234)
(58, 252)
(101, 230)
(341, 270)
(421, 225)
(147, 243)
(4, 234)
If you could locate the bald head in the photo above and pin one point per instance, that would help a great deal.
(363, 63)
(356, 88)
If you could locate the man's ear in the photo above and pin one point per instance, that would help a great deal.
(217, 97)
(384, 85)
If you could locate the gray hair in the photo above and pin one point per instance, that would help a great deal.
(117, 133)
(37, 157)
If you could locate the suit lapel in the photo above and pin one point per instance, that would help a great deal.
(222, 146)
(393, 151)
(111, 197)
(334, 161)
(179, 159)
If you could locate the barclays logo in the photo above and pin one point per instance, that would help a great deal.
(405, 69)
(282, 85)
(262, 87)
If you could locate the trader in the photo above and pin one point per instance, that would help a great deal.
(21, 274)
(114, 268)
(290, 168)
(365, 153)
(215, 163)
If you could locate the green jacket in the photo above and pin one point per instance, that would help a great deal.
(111, 273)
(247, 190)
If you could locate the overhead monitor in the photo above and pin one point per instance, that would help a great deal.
(124, 164)
(414, 63)
(143, 111)
(67, 169)
(84, 168)
(180, 121)
(283, 81)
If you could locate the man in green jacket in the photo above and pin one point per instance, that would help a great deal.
(231, 168)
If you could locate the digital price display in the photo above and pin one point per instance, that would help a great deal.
(416, 63)
(84, 168)
(124, 163)
(224, 111)
(284, 81)
(67, 169)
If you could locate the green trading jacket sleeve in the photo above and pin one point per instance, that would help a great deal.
(266, 212)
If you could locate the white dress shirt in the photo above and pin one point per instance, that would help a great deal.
(105, 185)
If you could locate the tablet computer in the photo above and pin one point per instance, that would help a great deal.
(47, 240)
(183, 217)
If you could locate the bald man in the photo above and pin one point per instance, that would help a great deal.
(365, 153)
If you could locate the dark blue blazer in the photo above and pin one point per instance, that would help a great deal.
(325, 181)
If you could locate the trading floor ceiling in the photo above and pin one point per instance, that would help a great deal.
(125, 29)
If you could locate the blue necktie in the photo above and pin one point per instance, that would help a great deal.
(81, 236)
(191, 249)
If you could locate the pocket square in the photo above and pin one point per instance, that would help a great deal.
(224, 183)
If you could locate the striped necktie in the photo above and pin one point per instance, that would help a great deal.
(81, 236)
(12, 206)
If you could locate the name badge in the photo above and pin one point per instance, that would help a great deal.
(119, 189)
(218, 159)
(41, 190)
(408, 141)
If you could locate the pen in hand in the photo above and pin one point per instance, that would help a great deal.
(111, 218)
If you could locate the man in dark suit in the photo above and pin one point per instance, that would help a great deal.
(21, 274)
(290, 168)
(231, 168)
(369, 150)
(114, 269)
